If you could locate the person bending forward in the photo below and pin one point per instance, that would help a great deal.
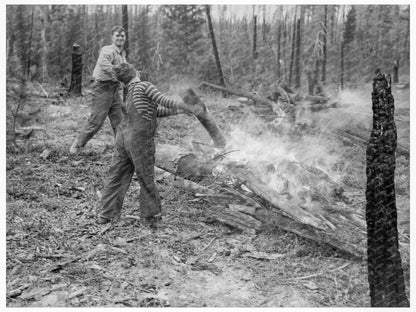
(134, 150)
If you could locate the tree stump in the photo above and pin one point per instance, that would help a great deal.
(385, 273)
(76, 75)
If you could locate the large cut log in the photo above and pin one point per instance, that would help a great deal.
(205, 117)
(267, 208)
(235, 219)
(254, 97)
(273, 218)
(287, 207)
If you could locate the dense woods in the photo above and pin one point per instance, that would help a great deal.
(308, 46)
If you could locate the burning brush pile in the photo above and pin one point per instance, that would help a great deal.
(268, 174)
(266, 178)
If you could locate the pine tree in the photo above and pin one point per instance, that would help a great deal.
(182, 33)
(350, 26)
(142, 44)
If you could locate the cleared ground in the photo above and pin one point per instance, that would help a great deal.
(57, 255)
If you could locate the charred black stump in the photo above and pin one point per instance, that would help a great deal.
(76, 74)
(385, 272)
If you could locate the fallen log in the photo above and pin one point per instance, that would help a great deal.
(205, 117)
(315, 99)
(400, 150)
(273, 218)
(315, 107)
(256, 98)
(287, 207)
(185, 183)
(235, 219)
(265, 207)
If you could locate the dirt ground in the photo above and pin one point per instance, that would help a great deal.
(58, 257)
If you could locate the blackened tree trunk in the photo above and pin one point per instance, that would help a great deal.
(264, 27)
(342, 66)
(214, 46)
(385, 273)
(396, 71)
(297, 57)
(255, 54)
(76, 75)
(406, 46)
(324, 48)
(279, 47)
(29, 59)
(43, 51)
(125, 23)
(285, 35)
(292, 56)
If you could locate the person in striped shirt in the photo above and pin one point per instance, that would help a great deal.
(134, 150)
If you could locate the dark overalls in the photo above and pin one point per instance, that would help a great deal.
(106, 101)
(134, 152)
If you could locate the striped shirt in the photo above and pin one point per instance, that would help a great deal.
(166, 112)
(146, 99)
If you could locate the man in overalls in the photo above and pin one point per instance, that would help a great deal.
(134, 151)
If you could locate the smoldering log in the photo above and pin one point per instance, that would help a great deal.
(235, 219)
(205, 117)
(267, 207)
(287, 207)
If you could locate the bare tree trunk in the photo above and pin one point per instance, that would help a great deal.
(125, 23)
(30, 44)
(255, 53)
(297, 57)
(342, 66)
(76, 76)
(292, 57)
(332, 24)
(214, 46)
(279, 36)
(396, 71)
(285, 34)
(324, 60)
(406, 47)
(44, 50)
(264, 29)
(385, 272)
(11, 33)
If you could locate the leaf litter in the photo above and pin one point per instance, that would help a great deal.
(58, 257)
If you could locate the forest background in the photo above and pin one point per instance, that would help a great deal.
(306, 47)
(320, 50)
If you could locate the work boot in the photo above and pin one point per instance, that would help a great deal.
(102, 220)
(74, 149)
(154, 221)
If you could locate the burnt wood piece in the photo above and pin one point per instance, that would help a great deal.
(385, 272)
(205, 117)
(76, 74)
